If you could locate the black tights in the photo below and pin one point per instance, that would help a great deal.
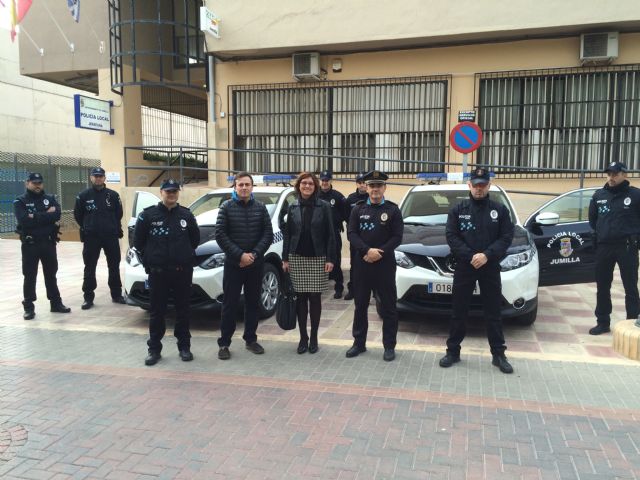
(309, 304)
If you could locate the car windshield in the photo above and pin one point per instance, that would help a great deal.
(431, 207)
(211, 201)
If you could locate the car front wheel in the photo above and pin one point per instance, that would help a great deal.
(269, 291)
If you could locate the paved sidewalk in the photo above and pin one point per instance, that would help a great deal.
(77, 402)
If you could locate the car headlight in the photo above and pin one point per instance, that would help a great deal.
(133, 258)
(214, 261)
(403, 260)
(517, 260)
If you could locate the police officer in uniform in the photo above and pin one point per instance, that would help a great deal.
(98, 212)
(167, 235)
(338, 211)
(38, 217)
(360, 195)
(375, 230)
(614, 215)
(479, 232)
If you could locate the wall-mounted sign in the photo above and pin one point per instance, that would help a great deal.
(92, 113)
(466, 116)
(209, 22)
(113, 177)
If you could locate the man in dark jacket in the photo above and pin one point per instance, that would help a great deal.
(98, 212)
(167, 235)
(244, 233)
(38, 217)
(338, 211)
(479, 232)
(360, 195)
(614, 215)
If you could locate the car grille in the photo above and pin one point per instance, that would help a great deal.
(198, 296)
(443, 263)
(420, 261)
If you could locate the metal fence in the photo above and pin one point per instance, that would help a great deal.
(63, 176)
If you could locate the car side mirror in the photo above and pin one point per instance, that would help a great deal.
(548, 218)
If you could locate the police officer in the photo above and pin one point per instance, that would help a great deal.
(479, 231)
(338, 213)
(98, 212)
(38, 217)
(614, 215)
(375, 230)
(360, 195)
(167, 235)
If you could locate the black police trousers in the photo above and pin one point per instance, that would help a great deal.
(464, 282)
(381, 278)
(352, 254)
(235, 278)
(626, 256)
(336, 273)
(175, 281)
(90, 254)
(39, 251)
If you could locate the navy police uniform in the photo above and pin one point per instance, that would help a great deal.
(478, 226)
(38, 229)
(375, 226)
(351, 201)
(614, 215)
(167, 239)
(338, 214)
(98, 212)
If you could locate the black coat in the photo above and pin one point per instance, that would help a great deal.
(43, 224)
(166, 238)
(243, 228)
(614, 213)
(322, 232)
(99, 212)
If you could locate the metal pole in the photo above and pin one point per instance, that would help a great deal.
(212, 88)
(464, 165)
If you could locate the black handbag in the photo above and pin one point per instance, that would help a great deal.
(286, 314)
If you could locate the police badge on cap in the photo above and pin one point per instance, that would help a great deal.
(326, 175)
(375, 177)
(35, 178)
(480, 175)
(170, 184)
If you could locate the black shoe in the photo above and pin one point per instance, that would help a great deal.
(119, 300)
(185, 355)
(599, 329)
(448, 360)
(255, 347)
(313, 346)
(87, 304)
(60, 308)
(303, 346)
(224, 353)
(501, 362)
(348, 296)
(29, 314)
(337, 295)
(152, 358)
(389, 354)
(355, 350)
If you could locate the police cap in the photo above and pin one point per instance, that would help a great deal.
(97, 171)
(616, 167)
(360, 177)
(170, 184)
(480, 175)
(375, 176)
(325, 175)
(35, 177)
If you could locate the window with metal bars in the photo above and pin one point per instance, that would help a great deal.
(577, 119)
(397, 125)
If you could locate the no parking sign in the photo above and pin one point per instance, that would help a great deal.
(465, 137)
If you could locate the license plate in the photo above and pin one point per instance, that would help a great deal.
(146, 284)
(446, 288)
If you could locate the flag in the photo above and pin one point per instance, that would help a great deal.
(18, 9)
(74, 9)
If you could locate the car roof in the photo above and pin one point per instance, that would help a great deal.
(452, 187)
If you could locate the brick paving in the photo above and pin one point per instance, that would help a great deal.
(76, 401)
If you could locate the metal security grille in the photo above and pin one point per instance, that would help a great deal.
(397, 125)
(64, 177)
(571, 119)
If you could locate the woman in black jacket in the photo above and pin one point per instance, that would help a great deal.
(309, 254)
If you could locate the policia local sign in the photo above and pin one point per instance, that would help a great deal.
(92, 113)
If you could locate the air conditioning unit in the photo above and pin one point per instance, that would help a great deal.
(306, 66)
(598, 48)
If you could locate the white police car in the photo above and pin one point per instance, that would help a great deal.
(424, 276)
(208, 265)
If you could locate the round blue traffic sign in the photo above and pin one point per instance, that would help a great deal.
(465, 137)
